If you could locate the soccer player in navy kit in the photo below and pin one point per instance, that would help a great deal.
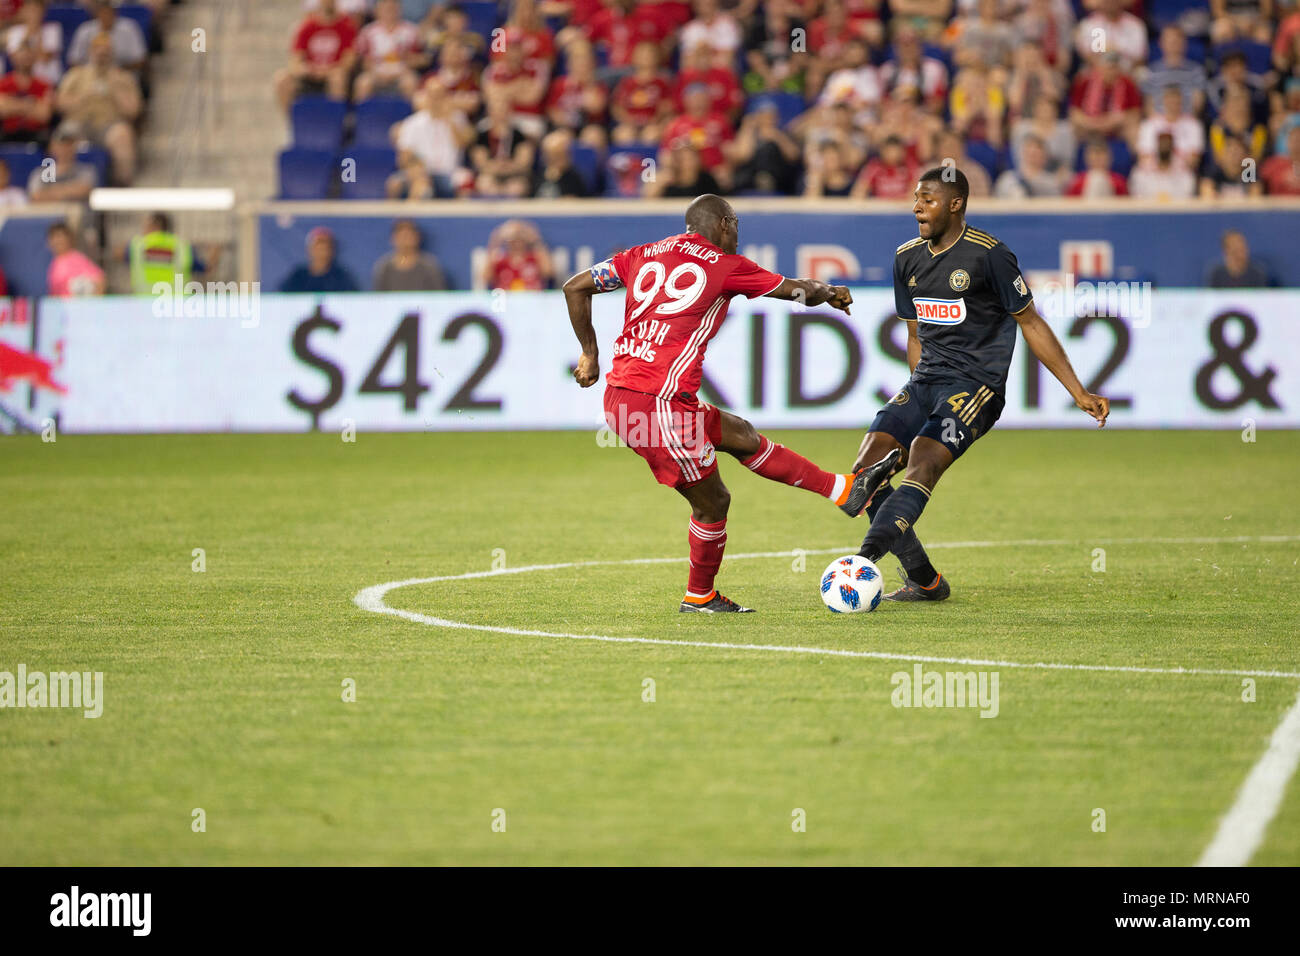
(962, 295)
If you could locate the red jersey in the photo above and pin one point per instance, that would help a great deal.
(518, 273)
(32, 88)
(323, 42)
(619, 33)
(678, 290)
(642, 98)
(705, 134)
(725, 94)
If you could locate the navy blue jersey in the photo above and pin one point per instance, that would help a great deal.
(963, 301)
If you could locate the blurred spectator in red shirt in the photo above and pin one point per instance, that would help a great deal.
(642, 100)
(518, 259)
(457, 76)
(703, 130)
(321, 57)
(527, 29)
(1105, 101)
(577, 101)
(49, 40)
(620, 26)
(699, 66)
(522, 84)
(26, 101)
(891, 175)
(1281, 174)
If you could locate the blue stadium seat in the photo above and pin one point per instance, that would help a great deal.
(98, 157)
(305, 173)
(984, 154)
(484, 16)
(142, 16)
(375, 117)
(69, 16)
(373, 167)
(21, 158)
(1259, 57)
(587, 163)
(318, 123)
(1197, 49)
(1161, 13)
(1121, 157)
(788, 105)
(623, 169)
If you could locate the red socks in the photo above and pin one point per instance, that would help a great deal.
(781, 464)
(707, 544)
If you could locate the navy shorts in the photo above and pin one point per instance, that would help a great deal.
(954, 413)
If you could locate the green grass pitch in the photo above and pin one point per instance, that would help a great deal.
(223, 689)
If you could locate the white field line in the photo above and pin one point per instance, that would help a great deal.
(1242, 828)
(373, 599)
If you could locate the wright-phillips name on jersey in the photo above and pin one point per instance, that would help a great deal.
(678, 290)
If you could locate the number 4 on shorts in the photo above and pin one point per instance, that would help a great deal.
(958, 400)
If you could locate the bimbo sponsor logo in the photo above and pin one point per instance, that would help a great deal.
(941, 311)
(76, 909)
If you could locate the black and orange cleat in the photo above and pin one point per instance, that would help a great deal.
(866, 481)
(911, 591)
(715, 604)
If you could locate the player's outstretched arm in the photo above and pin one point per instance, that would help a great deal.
(577, 296)
(1042, 341)
(812, 292)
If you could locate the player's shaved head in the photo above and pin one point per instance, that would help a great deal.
(712, 217)
(705, 213)
(951, 180)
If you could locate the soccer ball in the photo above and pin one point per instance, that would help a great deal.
(851, 584)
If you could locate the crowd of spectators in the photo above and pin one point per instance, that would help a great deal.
(1032, 98)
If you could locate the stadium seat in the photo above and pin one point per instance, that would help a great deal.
(587, 163)
(318, 123)
(1161, 13)
(69, 16)
(1259, 56)
(21, 159)
(142, 16)
(484, 17)
(305, 173)
(623, 169)
(373, 167)
(98, 157)
(984, 154)
(1121, 157)
(788, 105)
(375, 117)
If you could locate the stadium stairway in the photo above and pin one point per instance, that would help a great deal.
(214, 123)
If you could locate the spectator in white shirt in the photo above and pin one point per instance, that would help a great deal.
(429, 146)
(857, 83)
(49, 41)
(129, 47)
(1112, 29)
(391, 51)
(1173, 118)
(713, 28)
(1162, 176)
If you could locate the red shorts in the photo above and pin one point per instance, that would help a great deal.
(678, 439)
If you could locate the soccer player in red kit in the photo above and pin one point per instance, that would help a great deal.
(678, 290)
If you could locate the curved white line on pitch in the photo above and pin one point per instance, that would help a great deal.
(372, 599)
